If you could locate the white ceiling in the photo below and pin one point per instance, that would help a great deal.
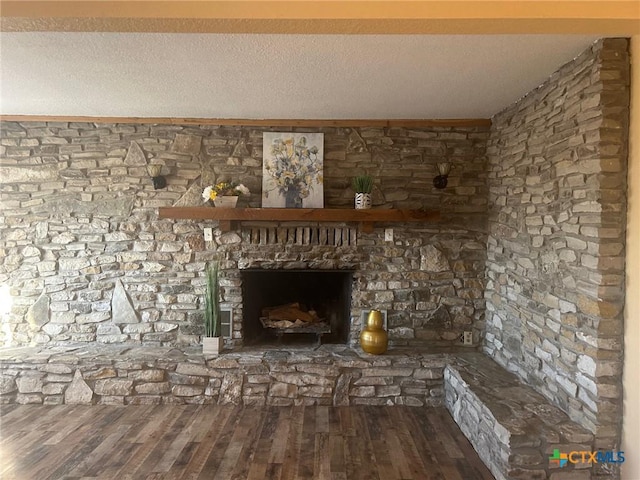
(255, 76)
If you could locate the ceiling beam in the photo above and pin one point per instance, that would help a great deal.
(248, 122)
(601, 17)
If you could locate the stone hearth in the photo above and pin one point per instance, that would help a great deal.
(328, 375)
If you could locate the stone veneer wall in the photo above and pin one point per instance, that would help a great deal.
(88, 260)
(555, 268)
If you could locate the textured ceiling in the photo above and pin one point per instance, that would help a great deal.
(251, 76)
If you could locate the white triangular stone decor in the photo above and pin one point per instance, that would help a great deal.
(122, 310)
(356, 143)
(135, 156)
(186, 144)
(240, 150)
(433, 260)
(207, 178)
(78, 393)
(38, 313)
(192, 197)
(440, 318)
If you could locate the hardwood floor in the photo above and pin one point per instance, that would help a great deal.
(226, 442)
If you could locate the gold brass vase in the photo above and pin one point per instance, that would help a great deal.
(374, 338)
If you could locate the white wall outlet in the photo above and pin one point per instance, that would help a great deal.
(467, 338)
(208, 234)
(388, 234)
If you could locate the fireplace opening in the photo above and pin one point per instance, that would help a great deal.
(296, 306)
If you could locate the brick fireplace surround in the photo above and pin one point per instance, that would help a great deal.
(528, 255)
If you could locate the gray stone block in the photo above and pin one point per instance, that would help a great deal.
(187, 390)
(113, 387)
(231, 389)
(31, 174)
(156, 388)
(7, 385)
(29, 383)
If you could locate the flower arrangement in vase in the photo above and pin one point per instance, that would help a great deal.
(362, 185)
(224, 194)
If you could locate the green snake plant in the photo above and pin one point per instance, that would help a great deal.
(362, 184)
(212, 302)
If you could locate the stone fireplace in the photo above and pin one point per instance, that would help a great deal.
(412, 278)
(327, 292)
(529, 254)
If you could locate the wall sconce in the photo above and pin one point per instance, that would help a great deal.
(158, 180)
(441, 180)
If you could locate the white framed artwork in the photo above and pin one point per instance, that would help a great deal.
(292, 165)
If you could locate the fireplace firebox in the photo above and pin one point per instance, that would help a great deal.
(296, 306)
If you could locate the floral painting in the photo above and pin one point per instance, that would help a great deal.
(292, 170)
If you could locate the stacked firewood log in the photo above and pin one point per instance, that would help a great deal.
(289, 315)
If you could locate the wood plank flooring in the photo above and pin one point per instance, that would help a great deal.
(227, 442)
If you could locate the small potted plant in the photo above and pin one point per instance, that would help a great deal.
(212, 341)
(224, 194)
(362, 185)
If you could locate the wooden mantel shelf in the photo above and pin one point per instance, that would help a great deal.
(366, 218)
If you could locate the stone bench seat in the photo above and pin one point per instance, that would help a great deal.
(124, 374)
(513, 428)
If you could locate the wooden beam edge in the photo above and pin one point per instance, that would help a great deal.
(248, 122)
(605, 27)
(319, 215)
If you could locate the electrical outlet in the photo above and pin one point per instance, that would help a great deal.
(467, 338)
(208, 234)
(388, 234)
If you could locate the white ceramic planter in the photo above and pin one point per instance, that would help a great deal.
(212, 345)
(363, 201)
(229, 201)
